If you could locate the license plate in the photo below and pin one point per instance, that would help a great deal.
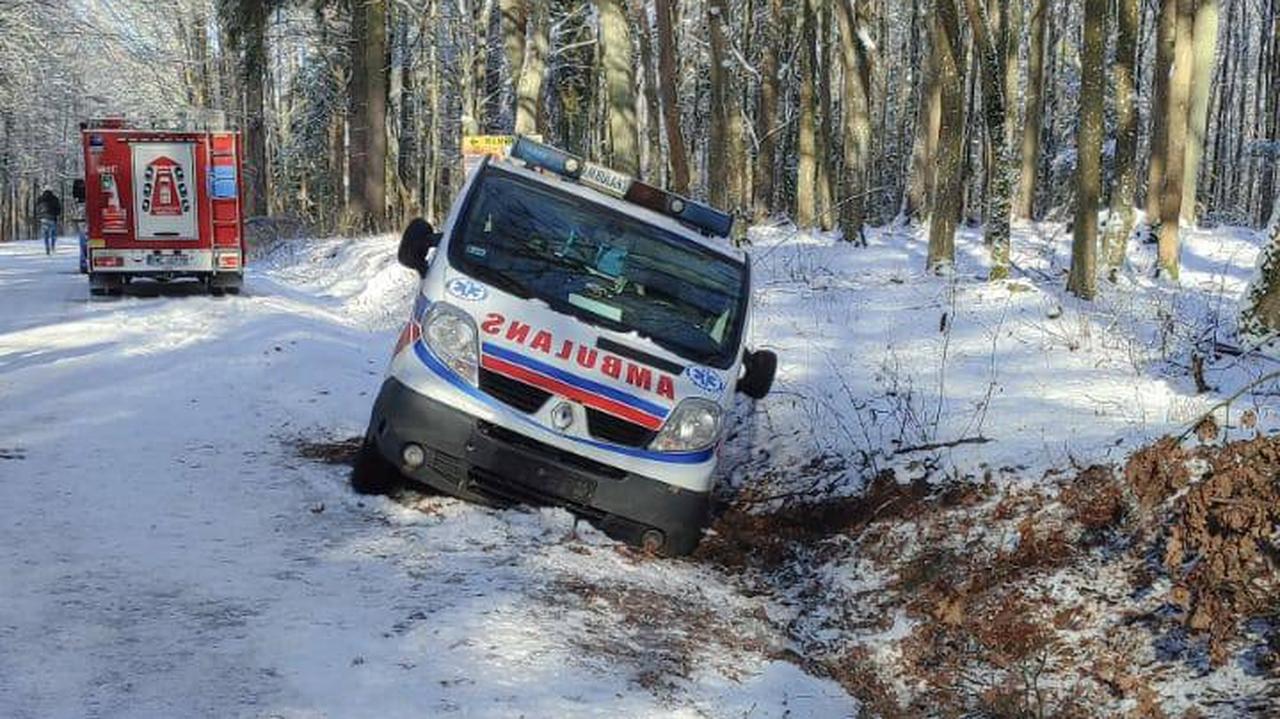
(168, 260)
(606, 180)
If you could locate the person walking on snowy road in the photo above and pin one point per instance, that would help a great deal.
(48, 209)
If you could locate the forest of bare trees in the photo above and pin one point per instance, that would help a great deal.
(837, 114)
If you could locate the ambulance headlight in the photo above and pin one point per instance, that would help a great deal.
(694, 425)
(451, 335)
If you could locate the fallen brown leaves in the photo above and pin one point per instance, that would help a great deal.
(337, 451)
(1010, 613)
(1221, 547)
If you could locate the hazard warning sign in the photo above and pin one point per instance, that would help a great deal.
(162, 190)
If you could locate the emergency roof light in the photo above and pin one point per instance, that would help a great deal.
(695, 214)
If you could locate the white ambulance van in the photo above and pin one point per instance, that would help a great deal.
(577, 341)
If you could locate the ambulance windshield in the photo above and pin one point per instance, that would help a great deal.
(602, 266)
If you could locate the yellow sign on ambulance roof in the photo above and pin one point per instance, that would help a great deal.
(477, 147)
(486, 144)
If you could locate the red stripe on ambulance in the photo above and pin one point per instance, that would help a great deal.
(588, 358)
(568, 391)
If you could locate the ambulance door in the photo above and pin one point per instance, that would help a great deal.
(164, 191)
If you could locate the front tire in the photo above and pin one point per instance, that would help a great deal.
(372, 473)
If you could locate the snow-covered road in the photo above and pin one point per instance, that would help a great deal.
(164, 551)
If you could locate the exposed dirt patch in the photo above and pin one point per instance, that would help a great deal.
(744, 536)
(1157, 472)
(340, 451)
(1095, 501)
(1102, 592)
(1222, 543)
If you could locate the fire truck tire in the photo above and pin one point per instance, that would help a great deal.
(100, 285)
(223, 283)
(371, 473)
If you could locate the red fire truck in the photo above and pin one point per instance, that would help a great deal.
(162, 204)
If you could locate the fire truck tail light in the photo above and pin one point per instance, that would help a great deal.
(228, 261)
(108, 262)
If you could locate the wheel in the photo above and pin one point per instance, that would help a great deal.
(225, 284)
(371, 473)
(100, 284)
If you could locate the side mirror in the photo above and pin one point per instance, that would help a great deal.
(418, 238)
(758, 371)
(77, 190)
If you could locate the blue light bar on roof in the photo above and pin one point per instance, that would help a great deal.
(695, 214)
(703, 216)
(546, 157)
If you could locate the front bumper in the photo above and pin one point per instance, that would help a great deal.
(479, 461)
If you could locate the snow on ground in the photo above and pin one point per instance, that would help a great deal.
(164, 551)
(882, 362)
(934, 603)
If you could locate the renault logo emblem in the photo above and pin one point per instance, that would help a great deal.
(562, 416)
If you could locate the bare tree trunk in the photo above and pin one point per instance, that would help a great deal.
(1160, 108)
(653, 130)
(856, 67)
(1175, 147)
(1011, 46)
(725, 151)
(822, 80)
(676, 152)
(533, 70)
(1033, 124)
(1120, 223)
(474, 80)
(200, 33)
(807, 162)
(1204, 47)
(999, 194)
(253, 79)
(619, 77)
(920, 188)
(767, 117)
(1218, 188)
(514, 20)
(367, 152)
(7, 228)
(948, 196)
(1082, 282)
(407, 155)
(719, 79)
(1271, 171)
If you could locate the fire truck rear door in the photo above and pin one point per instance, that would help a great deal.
(164, 190)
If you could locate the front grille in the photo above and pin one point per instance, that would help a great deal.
(526, 398)
(502, 434)
(505, 491)
(450, 467)
(606, 427)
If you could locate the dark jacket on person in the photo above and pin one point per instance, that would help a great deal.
(48, 207)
